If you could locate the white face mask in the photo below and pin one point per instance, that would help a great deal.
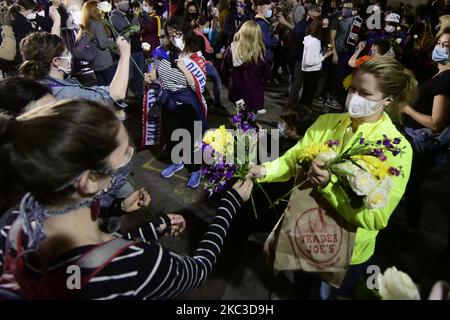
(146, 9)
(67, 69)
(179, 43)
(389, 29)
(359, 107)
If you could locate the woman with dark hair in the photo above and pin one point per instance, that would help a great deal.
(47, 60)
(78, 152)
(103, 64)
(18, 94)
(181, 72)
(192, 12)
(25, 20)
(312, 60)
(150, 23)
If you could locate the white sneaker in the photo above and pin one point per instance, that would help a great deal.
(262, 111)
(121, 115)
(280, 70)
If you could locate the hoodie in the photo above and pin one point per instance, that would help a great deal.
(312, 54)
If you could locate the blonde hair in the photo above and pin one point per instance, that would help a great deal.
(249, 43)
(445, 22)
(394, 81)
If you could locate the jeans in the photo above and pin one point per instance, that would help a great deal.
(104, 77)
(304, 281)
(137, 81)
(211, 72)
(342, 71)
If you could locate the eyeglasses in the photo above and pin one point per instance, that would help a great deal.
(176, 34)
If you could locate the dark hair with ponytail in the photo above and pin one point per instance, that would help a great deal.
(38, 51)
(17, 92)
(47, 147)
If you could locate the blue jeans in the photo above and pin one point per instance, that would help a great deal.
(303, 283)
(211, 72)
(137, 82)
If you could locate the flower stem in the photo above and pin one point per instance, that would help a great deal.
(253, 206)
(288, 193)
(266, 195)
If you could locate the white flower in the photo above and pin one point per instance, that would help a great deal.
(398, 40)
(416, 36)
(362, 183)
(326, 156)
(397, 285)
(146, 46)
(377, 198)
(104, 7)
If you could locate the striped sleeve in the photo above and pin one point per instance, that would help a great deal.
(151, 231)
(6, 220)
(152, 272)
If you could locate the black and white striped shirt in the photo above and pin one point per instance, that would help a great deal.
(171, 79)
(146, 270)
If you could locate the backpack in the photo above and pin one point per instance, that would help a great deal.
(52, 284)
(85, 48)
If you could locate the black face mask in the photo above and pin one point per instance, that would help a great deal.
(193, 16)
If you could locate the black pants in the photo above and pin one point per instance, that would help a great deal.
(182, 117)
(310, 84)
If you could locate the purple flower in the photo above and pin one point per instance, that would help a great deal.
(395, 152)
(394, 171)
(251, 116)
(377, 152)
(246, 126)
(362, 141)
(387, 144)
(237, 119)
(382, 157)
(396, 141)
(332, 143)
(379, 142)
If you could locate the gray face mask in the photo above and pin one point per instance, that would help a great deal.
(124, 6)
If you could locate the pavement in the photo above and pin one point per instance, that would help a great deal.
(241, 272)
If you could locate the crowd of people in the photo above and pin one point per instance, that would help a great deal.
(65, 154)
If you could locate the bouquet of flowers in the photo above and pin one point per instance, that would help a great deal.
(361, 170)
(228, 153)
(104, 7)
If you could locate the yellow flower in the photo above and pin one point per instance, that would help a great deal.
(347, 81)
(376, 167)
(221, 140)
(311, 151)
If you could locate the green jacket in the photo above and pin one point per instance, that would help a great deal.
(368, 221)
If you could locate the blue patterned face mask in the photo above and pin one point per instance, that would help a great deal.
(33, 214)
(440, 55)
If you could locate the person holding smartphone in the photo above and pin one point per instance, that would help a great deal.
(312, 60)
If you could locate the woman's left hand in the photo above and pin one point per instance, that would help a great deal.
(136, 200)
(317, 175)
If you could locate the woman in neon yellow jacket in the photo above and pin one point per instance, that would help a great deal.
(379, 84)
